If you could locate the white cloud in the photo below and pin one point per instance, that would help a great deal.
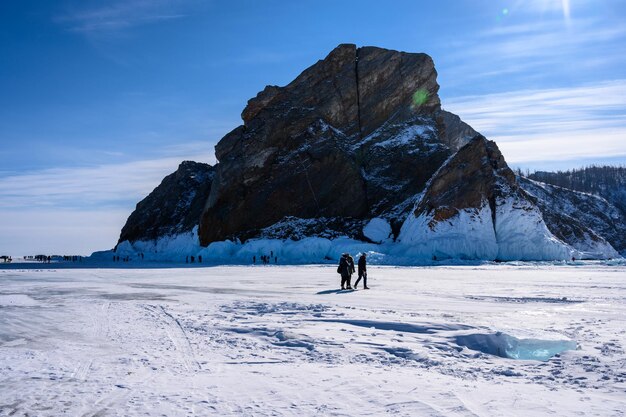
(534, 50)
(77, 210)
(59, 231)
(119, 15)
(112, 185)
(552, 124)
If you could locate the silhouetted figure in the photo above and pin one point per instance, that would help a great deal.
(200, 258)
(362, 273)
(254, 259)
(351, 263)
(275, 259)
(193, 259)
(344, 270)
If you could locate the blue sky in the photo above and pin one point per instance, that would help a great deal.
(101, 99)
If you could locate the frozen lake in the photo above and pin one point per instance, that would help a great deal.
(280, 341)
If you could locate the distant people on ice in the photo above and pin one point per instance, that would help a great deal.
(362, 273)
(266, 259)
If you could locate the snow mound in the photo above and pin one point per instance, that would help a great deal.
(377, 230)
(180, 248)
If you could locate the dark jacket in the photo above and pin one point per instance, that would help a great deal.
(351, 265)
(344, 266)
(362, 266)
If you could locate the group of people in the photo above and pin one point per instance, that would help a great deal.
(346, 269)
(266, 259)
(193, 259)
(127, 258)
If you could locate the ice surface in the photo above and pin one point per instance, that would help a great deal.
(281, 340)
(12, 300)
(506, 346)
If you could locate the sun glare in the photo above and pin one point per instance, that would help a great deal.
(566, 10)
(547, 6)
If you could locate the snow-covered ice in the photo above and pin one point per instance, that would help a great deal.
(282, 341)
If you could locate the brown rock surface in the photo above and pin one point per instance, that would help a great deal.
(354, 136)
(477, 174)
(172, 207)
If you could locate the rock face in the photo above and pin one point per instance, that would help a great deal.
(476, 176)
(354, 137)
(584, 221)
(173, 207)
(474, 209)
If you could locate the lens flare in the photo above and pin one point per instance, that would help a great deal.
(420, 96)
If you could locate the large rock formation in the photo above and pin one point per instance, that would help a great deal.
(356, 146)
(173, 207)
(354, 137)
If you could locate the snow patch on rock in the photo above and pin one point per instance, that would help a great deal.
(377, 230)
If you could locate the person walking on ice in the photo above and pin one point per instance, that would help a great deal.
(345, 270)
(351, 270)
(362, 267)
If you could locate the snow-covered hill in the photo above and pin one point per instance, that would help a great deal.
(587, 222)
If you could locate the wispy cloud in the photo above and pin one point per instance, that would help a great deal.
(534, 50)
(120, 15)
(79, 210)
(111, 186)
(59, 231)
(551, 124)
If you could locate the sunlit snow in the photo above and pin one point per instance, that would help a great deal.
(520, 339)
